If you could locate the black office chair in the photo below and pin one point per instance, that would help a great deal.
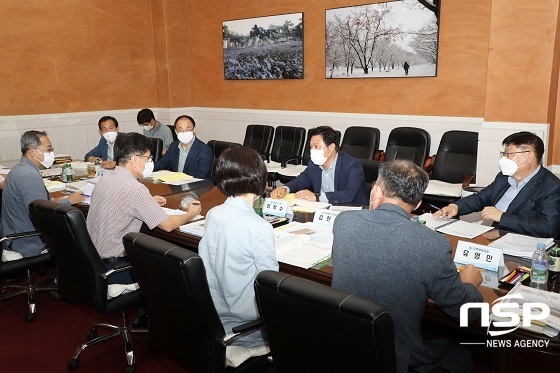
(157, 148)
(455, 162)
(361, 142)
(184, 323)
(82, 275)
(172, 128)
(259, 137)
(286, 148)
(371, 169)
(219, 146)
(314, 328)
(30, 266)
(408, 143)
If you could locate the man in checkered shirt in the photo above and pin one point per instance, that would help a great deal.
(120, 204)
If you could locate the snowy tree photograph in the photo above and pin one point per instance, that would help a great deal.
(264, 47)
(383, 40)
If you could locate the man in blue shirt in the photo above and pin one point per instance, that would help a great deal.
(103, 152)
(331, 175)
(153, 128)
(23, 185)
(523, 198)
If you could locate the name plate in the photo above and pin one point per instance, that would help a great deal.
(100, 172)
(480, 256)
(325, 217)
(277, 207)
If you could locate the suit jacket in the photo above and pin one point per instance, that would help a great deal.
(535, 211)
(199, 160)
(100, 151)
(349, 181)
(384, 256)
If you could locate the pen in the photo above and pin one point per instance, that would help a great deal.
(437, 208)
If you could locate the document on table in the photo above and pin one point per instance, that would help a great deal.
(303, 244)
(195, 228)
(168, 176)
(303, 205)
(454, 227)
(441, 188)
(53, 185)
(520, 245)
(292, 170)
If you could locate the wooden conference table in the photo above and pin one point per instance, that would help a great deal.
(434, 318)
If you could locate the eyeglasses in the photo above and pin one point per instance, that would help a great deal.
(507, 154)
(180, 130)
(48, 150)
(150, 158)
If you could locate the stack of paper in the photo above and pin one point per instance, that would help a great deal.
(519, 245)
(303, 205)
(195, 228)
(303, 244)
(173, 178)
(53, 185)
(454, 227)
(441, 188)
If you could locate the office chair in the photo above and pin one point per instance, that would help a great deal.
(455, 162)
(172, 128)
(314, 328)
(157, 148)
(408, 143)
(28, 265)
(184, 323)
(286, 148)
(259, 137)
(82, 275)
(361, 142)
(371, 169)
(219, 146)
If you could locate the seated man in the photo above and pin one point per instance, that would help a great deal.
(188, 154)
(120, 204)
(103, 152)
(382, 255)
(333, 175)
(23, 185)
(153, 128)
(523, 198)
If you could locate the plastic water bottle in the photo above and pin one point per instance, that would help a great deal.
(539, 265)
(63, 175)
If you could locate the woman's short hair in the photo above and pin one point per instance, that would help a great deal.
(240, 171)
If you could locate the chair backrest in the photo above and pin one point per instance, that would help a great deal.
(288, 143)
(79, 266)
(157, 148)
(184, 323)
(371, 170)
(360, 142)
(172, 128)
(408, 143)
(329, 330)
(219, 146)
(456, 156)
(259, 137)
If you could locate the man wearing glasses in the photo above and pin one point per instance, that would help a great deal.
(524, 198)
(120, 204)
(23, 185)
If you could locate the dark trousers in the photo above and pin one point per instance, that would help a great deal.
(124, 277)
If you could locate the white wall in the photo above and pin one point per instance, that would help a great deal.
(77, 133)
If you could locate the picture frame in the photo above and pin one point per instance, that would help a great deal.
(392, 39)
(262, 48)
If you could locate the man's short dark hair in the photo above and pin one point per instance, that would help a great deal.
(328, 135)
(184, 117)
(31, 139)
(240, 171)
(106, 118)
(403, 180)
(144, 116)
(129, 144)
(523, 140)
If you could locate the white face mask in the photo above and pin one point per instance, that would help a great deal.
(110, 136)
(508, 166)
(148, 168)
(49, 159)
(185, 137)
(147, 128)
(317, 156)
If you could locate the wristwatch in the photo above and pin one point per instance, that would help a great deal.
(317, 195)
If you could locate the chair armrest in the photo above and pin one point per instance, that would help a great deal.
(297, 159)
(467, 180)
(15, 236)
(266, 157)
(377, 155)
(125, 266)
(240, 331)
(382, 156)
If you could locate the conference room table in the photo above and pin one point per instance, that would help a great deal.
(434, 319)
